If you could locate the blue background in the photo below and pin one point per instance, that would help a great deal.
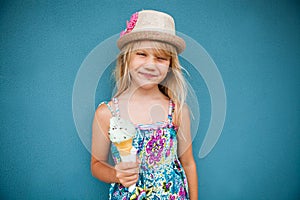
(255, 44)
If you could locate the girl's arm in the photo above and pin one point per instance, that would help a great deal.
(124, 173)
(101, 145)
(186, 154)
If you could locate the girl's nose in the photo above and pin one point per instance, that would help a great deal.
(151, 60)
(150, 64)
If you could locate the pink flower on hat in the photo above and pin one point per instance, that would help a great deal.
(130, 24)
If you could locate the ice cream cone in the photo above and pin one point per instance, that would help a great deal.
(121, 134)
(124, 147)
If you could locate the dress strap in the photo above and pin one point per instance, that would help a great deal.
(116, 103)
(108, 106)
(171, 111)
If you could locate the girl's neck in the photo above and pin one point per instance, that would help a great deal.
(142, 93)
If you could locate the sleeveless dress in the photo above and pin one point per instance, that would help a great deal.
(161, 175)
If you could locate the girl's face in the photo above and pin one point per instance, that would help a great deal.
(148, 66)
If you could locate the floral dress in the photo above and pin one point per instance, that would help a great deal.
(161, 174)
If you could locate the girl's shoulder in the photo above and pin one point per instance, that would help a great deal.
(185, 113)
(104, 110)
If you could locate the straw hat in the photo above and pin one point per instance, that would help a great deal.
(151, 25)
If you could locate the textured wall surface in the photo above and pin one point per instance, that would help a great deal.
(255, 45)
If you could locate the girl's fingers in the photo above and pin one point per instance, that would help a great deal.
(130, 178)
(128, 171)
(127, 167)
(126, 175)
(128, 181)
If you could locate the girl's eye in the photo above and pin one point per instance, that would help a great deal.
(140, 54)
(162, 58)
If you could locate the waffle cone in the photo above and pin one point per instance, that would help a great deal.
(124, 147)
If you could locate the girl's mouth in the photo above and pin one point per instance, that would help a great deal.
(147, 75)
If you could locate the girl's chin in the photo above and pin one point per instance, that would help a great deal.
(147, 85)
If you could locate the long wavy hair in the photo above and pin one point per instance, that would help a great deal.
(173, 86)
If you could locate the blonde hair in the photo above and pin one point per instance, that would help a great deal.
(173, 86)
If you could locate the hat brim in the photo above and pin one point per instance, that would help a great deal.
(174, 40)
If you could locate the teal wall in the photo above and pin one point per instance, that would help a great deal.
(255, 44)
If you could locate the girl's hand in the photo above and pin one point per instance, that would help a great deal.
(127, 173)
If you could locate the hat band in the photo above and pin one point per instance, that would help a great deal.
(152, 29)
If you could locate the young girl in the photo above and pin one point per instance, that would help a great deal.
(150, 106)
